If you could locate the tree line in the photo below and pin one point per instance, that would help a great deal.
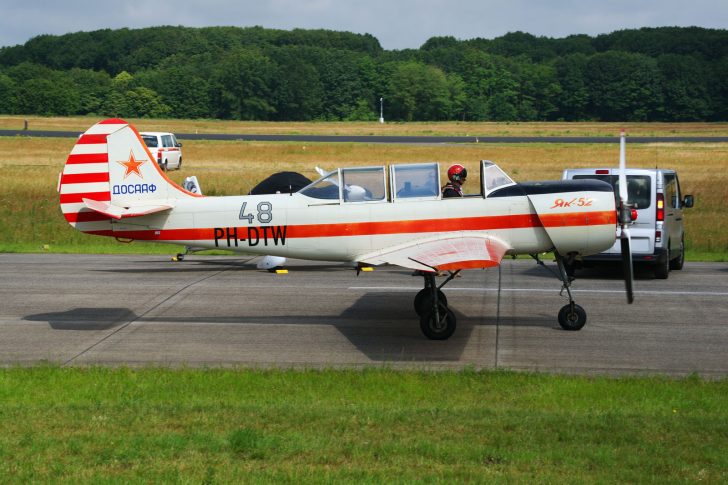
(649, 74)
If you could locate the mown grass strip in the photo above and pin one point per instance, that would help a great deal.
(149, 425)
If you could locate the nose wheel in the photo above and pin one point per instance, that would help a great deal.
(437, 321)
(571, 317)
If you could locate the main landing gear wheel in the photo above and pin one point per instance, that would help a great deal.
(438, 325)
(572, 317)
(437, 322)
(423, 301)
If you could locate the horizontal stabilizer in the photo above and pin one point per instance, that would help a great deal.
(117, 212)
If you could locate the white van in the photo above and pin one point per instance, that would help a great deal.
(658, 234)
(165, 147)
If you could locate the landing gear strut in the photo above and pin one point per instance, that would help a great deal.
(571, 316)
(437, 321)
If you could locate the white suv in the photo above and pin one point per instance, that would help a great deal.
(658, 234)
(165, 147)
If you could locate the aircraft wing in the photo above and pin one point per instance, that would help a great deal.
(118, 212)
(443, 253)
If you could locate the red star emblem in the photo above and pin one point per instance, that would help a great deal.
(132, 166)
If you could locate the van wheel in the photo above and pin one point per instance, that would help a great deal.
(662, 266)
(179, 164)
(164, 166)
(677, 263)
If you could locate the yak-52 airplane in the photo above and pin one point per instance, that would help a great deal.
(111, 186)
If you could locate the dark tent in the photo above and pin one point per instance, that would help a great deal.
(281, 182)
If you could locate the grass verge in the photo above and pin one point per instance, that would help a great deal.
(150, 425)
(30, 215)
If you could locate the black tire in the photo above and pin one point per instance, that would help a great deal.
(441, 330)
(423, 301)
(179, 164)
(164, 166)
(662, 266)
(572, 320)
(677, 263)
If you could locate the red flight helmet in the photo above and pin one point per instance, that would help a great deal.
(457, 173)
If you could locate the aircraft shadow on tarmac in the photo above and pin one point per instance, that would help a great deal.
(604, 271)
(85, 318)
(381, 325)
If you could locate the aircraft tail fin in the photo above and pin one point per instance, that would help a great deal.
(110, 174)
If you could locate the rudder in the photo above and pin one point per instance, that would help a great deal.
(110, 174)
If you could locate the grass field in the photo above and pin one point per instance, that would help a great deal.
(30, 219)
(101, 425)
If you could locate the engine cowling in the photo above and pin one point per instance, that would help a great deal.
(579, 216)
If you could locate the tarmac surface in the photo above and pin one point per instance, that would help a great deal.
(221, 311)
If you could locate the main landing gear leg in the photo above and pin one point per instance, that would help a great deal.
(437, 321)
(571, 316)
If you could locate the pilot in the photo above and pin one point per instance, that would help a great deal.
(457, 175)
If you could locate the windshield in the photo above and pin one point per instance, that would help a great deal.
(327, 187)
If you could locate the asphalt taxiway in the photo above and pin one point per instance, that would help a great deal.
(221, 311)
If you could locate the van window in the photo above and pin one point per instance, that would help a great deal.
(167, 141)
(671, 191)
(639, 188)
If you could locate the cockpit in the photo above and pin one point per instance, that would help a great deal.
(405, 182)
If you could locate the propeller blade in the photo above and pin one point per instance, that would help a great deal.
(627, 268)
(622, 167)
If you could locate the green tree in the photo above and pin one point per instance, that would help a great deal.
(684, 85)
(297, 89)
(624, 87)
(241, 86)
(47, 97)
(93, 87)
(718, 89)
(573, 101)
(418, 92)
(7, 94)
(491, 90)
(182, 87)
(145, 103)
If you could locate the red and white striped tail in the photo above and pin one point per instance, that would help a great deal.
(111, 174)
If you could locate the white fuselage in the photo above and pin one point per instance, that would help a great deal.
(301, 227)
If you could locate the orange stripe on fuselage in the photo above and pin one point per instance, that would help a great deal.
(396, 227)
